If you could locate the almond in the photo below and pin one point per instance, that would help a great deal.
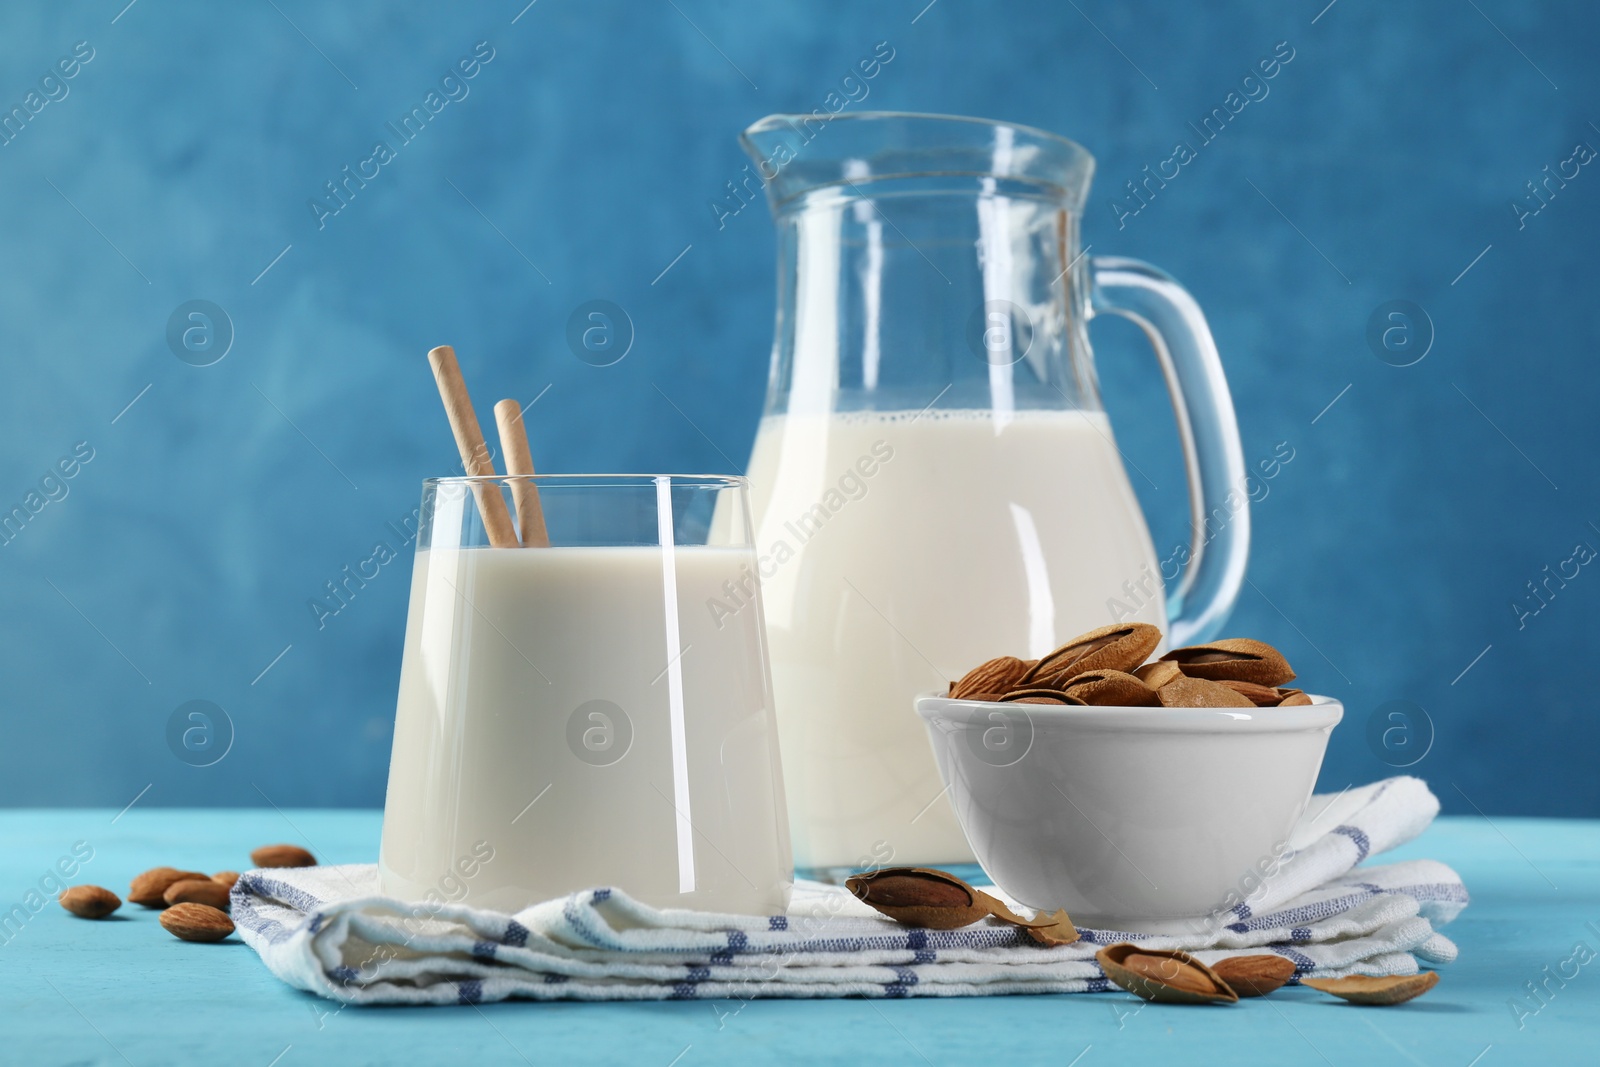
(1119, 647)
(150, 887)
(1162, 975)
(1199, 693)
(918, 896)
(1110, 689)
(226, 878)
(995, 676)
(1236, 658)
(196, 922)
(1254, 976)
(1293, 698)
(1262, 696)
(281, 856)
(938, 900)
(1158, 674)
(89, 901)
(1365, 989)
(197, 891)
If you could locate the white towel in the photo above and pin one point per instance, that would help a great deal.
(329, 930)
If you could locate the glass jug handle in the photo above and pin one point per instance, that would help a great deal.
(1219, 504)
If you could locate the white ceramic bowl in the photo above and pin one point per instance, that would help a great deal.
(1127, 816)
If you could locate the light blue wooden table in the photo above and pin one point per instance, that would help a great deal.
(124, 992)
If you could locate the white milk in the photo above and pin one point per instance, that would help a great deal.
(897, 552)
(670, 789)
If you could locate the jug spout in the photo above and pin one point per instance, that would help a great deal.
(795, 154)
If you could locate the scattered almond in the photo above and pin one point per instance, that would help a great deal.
(281, 856)
(149, 888)
(226, 878)
(197, 891)
(1365, 989)
(1119, 647)
(1166, 976)
(1200, 693)
(196, 922)
(938, 900)
(89, 901)
(1254, 976)
(918, 896)
(1236, 658)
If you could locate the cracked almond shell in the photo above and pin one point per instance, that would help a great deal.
(1110, 689)
(920, 896)
(1119, 647)
(1381, 991)
(1039, 695)
(1238, 659)
(1262, 696)
(1158, 673)
(1200, 693)
(1166, 976)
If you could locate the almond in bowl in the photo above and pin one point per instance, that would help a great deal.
(1144, 792)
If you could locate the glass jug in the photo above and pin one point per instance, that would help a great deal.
(935, 481)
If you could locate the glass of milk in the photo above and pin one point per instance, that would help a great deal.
(597, 712)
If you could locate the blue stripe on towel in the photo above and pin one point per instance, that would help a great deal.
(245, 915)
(516, 935)
(738, 941)
(273, 889)
(1303, 964)
(469, 991)
(1363, 845)
(1438, 891)
(1309, 913)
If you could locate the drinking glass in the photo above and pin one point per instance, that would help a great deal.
(593, 713)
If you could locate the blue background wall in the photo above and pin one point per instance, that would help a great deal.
(1383, 163)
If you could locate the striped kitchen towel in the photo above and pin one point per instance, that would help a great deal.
(329, 930)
